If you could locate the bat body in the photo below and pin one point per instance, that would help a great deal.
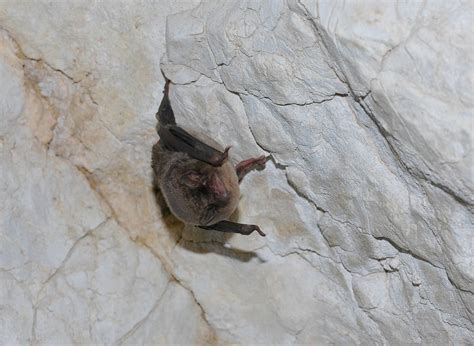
(198, 182)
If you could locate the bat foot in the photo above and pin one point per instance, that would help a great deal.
(246, 165)
(261, 160)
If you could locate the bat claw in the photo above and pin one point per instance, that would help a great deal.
(226, 152)
(261, 160)
(217, 162)
(167, 87)
(260, 231)
(251, 228)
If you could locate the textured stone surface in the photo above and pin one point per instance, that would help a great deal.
(365, 108)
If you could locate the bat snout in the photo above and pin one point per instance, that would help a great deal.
(218, 189)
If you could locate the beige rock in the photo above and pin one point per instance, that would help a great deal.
(365, 109)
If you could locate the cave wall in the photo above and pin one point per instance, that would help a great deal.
(365, 109)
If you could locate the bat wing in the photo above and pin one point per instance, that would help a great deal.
(165, 114)
(174, 138)
(228, 226)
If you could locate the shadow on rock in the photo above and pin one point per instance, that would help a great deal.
(199, 240)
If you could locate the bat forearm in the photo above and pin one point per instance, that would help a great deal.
(176, 139)
(233, 227)
(165, 114)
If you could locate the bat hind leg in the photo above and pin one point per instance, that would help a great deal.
(233, 227)
(244, 166)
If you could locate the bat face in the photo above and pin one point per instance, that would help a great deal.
(196, 192)
(206, 181)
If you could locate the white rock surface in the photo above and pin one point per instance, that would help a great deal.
(365, 108)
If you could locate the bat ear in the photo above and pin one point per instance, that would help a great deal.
(191, 179)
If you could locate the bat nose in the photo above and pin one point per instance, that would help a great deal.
(218, 188)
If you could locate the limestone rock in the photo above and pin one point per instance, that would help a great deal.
(365, 109)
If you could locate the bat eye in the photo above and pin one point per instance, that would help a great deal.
(191, 179)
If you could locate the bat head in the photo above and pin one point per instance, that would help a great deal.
(203, 194)
(207, 182)
(196, 192)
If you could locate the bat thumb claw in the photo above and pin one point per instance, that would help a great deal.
(226, 151)
(222, 158)
(259, 231)
(167, 87)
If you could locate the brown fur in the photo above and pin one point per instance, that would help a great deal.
(194, 206)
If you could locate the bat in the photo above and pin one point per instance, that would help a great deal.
(198, 182)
